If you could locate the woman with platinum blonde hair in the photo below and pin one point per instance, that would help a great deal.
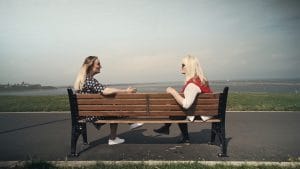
(195, 82)
(86, 83)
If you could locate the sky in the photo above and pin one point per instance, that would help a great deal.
(137, 41)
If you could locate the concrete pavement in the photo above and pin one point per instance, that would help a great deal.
(252, 136)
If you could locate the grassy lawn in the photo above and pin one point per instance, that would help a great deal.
(33, 103)
(236, 101)
(264, 102)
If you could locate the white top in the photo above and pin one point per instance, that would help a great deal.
(190, 93)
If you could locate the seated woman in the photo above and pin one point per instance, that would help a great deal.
(195, 82)
(86, 83)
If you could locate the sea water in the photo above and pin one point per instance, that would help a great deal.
(240, 86)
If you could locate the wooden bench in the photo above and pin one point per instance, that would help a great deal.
(146, 108)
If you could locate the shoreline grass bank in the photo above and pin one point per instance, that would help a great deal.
(236, 102)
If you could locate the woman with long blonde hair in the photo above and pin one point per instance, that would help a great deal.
(86, 83)
(195, 82)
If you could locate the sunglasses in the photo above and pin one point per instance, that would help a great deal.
(182, 65)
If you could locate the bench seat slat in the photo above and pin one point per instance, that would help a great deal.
(163, 120)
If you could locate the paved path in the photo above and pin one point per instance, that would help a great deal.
(252, 136)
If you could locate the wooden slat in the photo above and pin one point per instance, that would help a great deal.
(112, 107)
(209, 96)
(169, 96)
(116, 96)
(111, 102)
(173, 101)
(141, 101)
(142, 95)
(181, 113)
(112, 113)
(131, 96)
(144, 113)
(207, 113)
(164, 120)
(178, 108)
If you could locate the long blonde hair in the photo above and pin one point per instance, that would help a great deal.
(85, 69)
(193, 69)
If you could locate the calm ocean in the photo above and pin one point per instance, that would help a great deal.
(241, 86)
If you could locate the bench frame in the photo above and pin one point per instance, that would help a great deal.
(79, 122)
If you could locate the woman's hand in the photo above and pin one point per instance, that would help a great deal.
(131, 90)
(175, 94)
(170, 90)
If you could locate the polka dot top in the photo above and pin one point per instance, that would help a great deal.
(92, 85)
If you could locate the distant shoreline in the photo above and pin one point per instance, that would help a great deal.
(238, 86)
(26, 88)
(23, 87)
(289, 81)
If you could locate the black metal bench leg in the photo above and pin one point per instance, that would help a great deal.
(223, 142)
(74, 138)
(212, 133)
(84, 134)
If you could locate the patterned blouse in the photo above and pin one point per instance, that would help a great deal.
(92, 85)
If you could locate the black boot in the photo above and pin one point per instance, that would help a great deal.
(184, 140)
(97, 125)
(185, 134)
(165, 129)
(93, 121)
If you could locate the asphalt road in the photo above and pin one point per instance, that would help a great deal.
(252, 136)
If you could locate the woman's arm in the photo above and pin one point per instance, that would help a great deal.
(190, 94)
(175, 94)
(109, 91)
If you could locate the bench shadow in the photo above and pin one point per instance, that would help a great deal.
(137, 137)
(133, 137)
(32, 126)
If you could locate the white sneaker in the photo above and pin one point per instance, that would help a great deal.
(117, 140)
(190, 118)
(135, 125)
(204, 118)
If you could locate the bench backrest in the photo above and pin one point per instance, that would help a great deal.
(144, 104)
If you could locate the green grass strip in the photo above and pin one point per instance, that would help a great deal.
(195, 165)
(263, 102)
(33, 103)
(236, 102)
